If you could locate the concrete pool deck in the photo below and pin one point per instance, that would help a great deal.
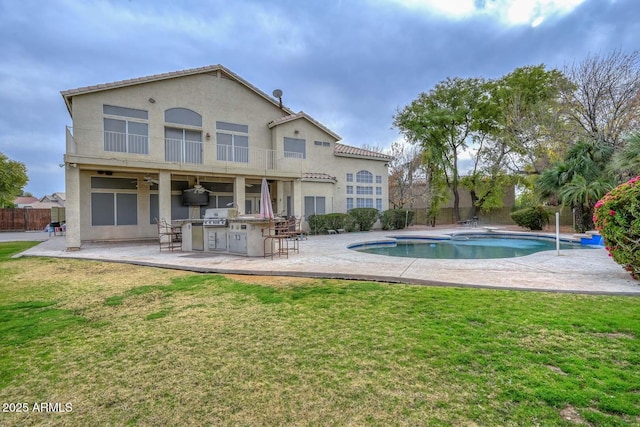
(328, 256)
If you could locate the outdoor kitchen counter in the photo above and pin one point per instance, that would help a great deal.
(243, 235)
(246, 235)
(192, 233)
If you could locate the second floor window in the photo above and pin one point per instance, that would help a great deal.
(295, 148)
(364, 177)
(232, 142)
(364, 189)
(126, 130)
(182, 143)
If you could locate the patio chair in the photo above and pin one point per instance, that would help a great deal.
(295, 232)
(169, 236)
(276, 239)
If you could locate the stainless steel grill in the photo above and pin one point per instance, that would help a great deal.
(215, 217)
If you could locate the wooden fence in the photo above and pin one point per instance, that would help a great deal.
(24, 219)
(495, 217)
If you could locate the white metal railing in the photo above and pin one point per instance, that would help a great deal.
(72, 146)
(126, 142)
(229, 153)
(83, 141)
(181, 151)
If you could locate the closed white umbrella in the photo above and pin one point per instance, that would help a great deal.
(266, 210)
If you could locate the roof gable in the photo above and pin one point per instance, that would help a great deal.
(219, 69)
(305, 116)
(349, 151)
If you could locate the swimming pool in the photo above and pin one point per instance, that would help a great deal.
(461, 246)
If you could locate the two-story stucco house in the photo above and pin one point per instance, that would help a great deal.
(136, 145)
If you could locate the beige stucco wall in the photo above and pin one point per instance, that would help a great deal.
(215, 98)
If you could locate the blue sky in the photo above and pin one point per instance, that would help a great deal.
(350, 64)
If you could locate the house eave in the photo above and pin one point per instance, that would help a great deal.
(70, 93)
(355, 156)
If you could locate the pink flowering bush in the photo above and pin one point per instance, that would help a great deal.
(617, 218)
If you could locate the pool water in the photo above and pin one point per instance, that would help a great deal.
(466, 248)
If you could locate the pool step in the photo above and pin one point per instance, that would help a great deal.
(591, 237)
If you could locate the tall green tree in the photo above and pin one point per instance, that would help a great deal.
(579, 180)
(530, 117)
(13, 177)
(442, 121)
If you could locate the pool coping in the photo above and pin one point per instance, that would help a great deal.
(328, 256)
(394, 239)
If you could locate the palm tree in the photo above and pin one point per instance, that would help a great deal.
(578, 181)
(627, 160)
(583, 195)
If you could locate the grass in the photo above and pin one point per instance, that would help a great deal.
(127, 345)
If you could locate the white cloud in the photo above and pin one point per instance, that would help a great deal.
(452, 9)
(509, 12)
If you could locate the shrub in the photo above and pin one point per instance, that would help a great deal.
(532, 218)
(396, 219)
(364, 217)
(319, 224)
(335, 221)
(350, 223)
(617, 218)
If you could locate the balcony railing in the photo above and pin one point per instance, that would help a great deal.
(181, 151)
(126, 143)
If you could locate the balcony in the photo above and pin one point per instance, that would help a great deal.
(187, 155)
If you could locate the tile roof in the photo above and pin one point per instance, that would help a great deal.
(349, 151)
(313, 176)
(303, 115)
(69, 94)
(25, 200)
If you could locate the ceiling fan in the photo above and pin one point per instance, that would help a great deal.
(151, 180)
(148, 180)
(199, 189)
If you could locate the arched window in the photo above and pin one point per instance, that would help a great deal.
(364, 177)
(183, 116)
(182, 136)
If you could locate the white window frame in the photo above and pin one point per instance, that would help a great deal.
(365, 190)
(191, 151)
(114, 141)
(235, 152)
(364, 177)
(364, 202)
(300, 151)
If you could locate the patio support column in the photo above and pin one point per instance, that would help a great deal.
(280, 198)
(164, 195)
(72, 207)
(297, 198)
(239, 193)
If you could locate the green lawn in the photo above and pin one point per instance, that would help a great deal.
(126, 345)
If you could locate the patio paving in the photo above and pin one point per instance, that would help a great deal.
(576, 271)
